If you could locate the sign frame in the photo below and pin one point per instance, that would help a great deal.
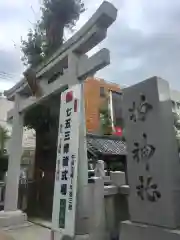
(66, 176)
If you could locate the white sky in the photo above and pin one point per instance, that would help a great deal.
(144, 41)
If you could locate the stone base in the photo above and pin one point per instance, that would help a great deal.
(134, 231)
(58, 236)
(11, 219)
(80, 237)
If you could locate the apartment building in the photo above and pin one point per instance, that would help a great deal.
(95, 92)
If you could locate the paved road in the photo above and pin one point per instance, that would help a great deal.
(29, 233)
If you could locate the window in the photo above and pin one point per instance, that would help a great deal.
(178, 105)
(117, 109)
(173, 105)
(102, 92)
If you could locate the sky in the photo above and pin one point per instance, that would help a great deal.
(144, 41)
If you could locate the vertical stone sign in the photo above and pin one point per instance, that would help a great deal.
(153, 162)
(64, 206)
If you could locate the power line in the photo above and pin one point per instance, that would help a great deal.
(33, 10)
(7, 73)
(7, 76)
(6, 79)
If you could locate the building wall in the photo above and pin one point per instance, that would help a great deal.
(93, 101)
(28, 135)
(5, 106)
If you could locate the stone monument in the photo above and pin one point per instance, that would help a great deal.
(153, 163)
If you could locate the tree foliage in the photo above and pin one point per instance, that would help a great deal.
(38, 118)
(32, 48)
(105, 119)
(57, 15)
(48, 32)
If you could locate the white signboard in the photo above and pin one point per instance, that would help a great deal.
(64, 206)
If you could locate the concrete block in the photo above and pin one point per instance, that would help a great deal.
(124, 190)
(110, 190)
(96, 209)
(8, 219)
(107, 180)
(132, 231)
(57, 236)
(118, 178)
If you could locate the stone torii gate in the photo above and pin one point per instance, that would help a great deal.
(67, 67)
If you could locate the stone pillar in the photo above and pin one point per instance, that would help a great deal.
(96, 208)
(10, 215)
(82, 191)
(152, 163)
(99, 169)
(81, 212)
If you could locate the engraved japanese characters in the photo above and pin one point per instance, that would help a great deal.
(143, 152)
(152, 158)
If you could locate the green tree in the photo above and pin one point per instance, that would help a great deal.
(32, 48)
(48, 33)
(56, 16)
(105, 119)
(4, 136)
